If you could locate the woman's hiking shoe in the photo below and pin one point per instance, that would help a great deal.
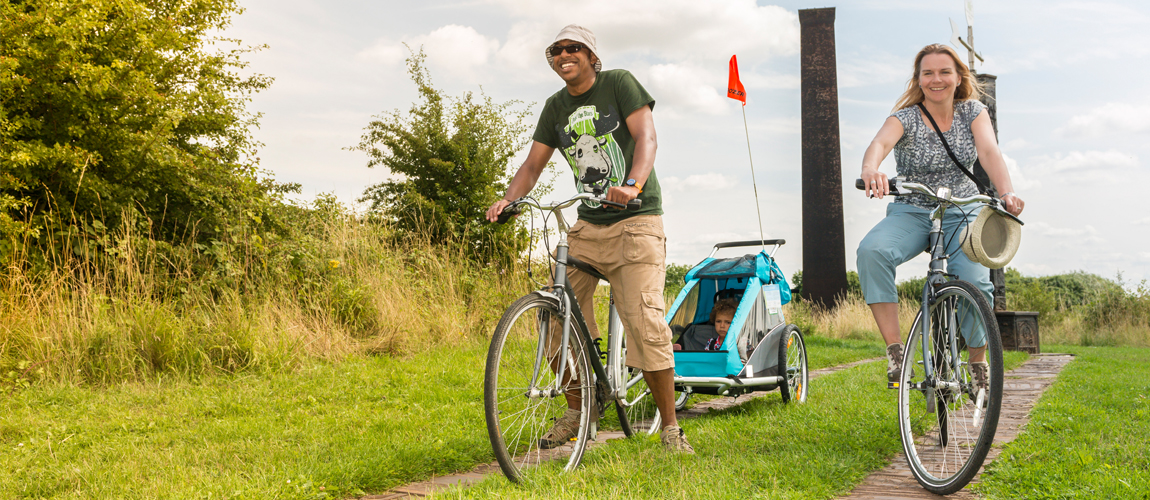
(980, 372)
(893, 365)
(563, 431)
(675, 440)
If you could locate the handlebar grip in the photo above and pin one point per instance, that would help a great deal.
(634, 204)
(508, 212)
(860, 186)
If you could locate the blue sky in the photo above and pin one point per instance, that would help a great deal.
(1074, 116)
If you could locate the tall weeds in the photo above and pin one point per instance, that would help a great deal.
(118, 305)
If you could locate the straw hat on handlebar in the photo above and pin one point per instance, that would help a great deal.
(992, 239)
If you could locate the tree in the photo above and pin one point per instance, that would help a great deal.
(115, 106)
(454, 155)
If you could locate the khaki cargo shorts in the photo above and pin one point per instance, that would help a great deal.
(632, 255)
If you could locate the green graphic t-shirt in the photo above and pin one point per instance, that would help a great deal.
(591, 131)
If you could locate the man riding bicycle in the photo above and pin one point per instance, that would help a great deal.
(602, 123)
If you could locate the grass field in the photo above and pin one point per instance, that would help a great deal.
(1088, 437)
(327, 429)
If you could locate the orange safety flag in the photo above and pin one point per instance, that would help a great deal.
(734, 86)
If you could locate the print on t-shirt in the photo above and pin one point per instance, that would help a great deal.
(595, 158)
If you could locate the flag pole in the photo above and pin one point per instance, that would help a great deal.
(755, 185)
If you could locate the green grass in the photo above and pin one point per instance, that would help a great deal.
(1088, 437)
(360, 425)
(761, 449)
(366, 424)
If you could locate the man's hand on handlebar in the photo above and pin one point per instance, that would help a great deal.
(496, 209)
(622, 194)
(875, 184)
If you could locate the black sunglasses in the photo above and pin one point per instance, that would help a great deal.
(571, 49)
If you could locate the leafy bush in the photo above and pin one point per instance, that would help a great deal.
(119, 109)
(454, 155)
(675, 275)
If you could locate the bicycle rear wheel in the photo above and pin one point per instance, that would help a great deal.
(946, 426)
(522, 396)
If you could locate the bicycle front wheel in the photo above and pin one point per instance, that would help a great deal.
(523, 398)
(946, 422)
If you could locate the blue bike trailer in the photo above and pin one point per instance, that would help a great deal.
(750, 349)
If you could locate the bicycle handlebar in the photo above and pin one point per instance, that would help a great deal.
(900, 188)
(514, 208)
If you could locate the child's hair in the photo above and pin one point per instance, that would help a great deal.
(723, 305)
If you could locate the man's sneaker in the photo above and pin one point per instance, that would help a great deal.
(893, 365)
(980, 372)
(674, 439)
(564, 429)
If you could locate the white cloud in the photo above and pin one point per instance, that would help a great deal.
(672, 29)
(1112, 118)
(1084, 234)
(1020, 182)
(457, 49)
(699, 182)
(872, 69)
(1142, 222)
(384, 51)
(684, 90)
(1082, 162)
(1017, 144)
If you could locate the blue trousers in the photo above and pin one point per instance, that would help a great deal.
(900, 237)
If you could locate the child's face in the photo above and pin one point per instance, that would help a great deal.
(723, 322)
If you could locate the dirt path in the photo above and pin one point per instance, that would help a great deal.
(1021, 389)
(425, 488)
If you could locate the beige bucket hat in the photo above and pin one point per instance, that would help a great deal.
(575, 33)
(992, 239)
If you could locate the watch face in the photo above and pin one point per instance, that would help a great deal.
(630, 182)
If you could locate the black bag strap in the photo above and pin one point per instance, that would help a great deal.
(981, 187)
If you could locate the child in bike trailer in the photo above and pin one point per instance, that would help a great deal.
(944, 87)
(601, 122)
(721, 317)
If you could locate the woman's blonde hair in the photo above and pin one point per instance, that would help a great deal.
(968, 86)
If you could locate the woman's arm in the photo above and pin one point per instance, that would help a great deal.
(875, 181)
(991, 159)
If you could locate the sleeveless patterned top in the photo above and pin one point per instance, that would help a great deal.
(920, 156)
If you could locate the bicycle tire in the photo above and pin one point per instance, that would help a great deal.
(793, 365)
(517, 420)
(946, 450)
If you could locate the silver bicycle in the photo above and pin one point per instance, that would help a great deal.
(946, 421)
(542, 356)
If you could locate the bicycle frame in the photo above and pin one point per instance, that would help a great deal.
(571, 311)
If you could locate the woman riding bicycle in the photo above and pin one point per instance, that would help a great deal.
(944, 87)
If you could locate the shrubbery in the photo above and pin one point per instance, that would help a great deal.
(454, 155)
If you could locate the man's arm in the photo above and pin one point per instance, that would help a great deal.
(641, 124)
(525, 178)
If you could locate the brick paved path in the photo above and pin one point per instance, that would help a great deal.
(1021, 389)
